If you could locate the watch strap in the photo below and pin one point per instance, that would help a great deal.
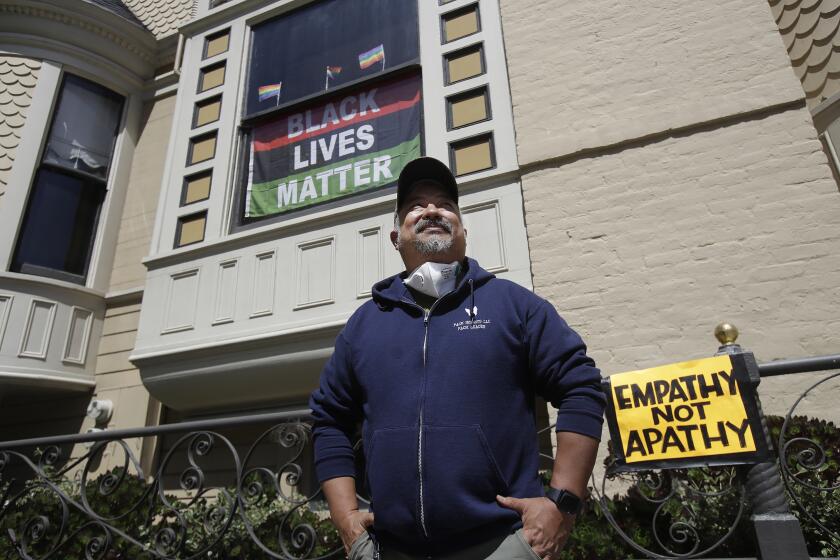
(567, 502)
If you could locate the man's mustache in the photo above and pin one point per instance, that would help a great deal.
(424, 223)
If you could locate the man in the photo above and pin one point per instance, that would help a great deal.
(441, 368)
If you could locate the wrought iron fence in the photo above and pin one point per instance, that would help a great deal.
(53, 506)
(810, 471)
(125, 513)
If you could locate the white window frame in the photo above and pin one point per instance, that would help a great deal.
(33, 141)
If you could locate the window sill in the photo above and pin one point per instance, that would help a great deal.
(49, 282)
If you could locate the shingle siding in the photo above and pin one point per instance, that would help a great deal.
(162, 17)
(18, 77)
(809, 32)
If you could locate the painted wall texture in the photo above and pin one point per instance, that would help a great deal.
(18, 77)
(141, 201)
(599, 73)
(672, 180)
(649, 248)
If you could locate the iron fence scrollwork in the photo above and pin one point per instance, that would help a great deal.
(810, 471)
(127, 515)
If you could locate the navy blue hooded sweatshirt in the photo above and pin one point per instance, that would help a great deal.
(446, 401)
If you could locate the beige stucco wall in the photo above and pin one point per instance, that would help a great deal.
(585, 75)
(648, 249)
(18, 77)
(672, 179)
(138, 216)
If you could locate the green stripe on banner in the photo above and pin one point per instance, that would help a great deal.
(333, 181)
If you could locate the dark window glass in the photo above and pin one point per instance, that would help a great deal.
(327, 44)
(59, 225)
(84, 127)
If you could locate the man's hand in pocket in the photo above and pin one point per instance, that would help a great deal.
(544, 527)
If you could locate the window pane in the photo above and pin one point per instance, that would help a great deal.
(468, 108)
(202, 148)
(196, 188)
(207, 111)
(460, 24)
(84, 127)
(212, 76)
(59, 226)
(474, 154)
(464, 64)
(217, 44)
(355, 39)
(191, 229)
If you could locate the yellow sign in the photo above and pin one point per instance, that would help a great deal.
(679, 411)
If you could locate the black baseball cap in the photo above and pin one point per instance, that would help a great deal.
(425, 169)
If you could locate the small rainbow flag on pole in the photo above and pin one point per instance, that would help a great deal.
(332, 72)
(372, 56)
(269, 91)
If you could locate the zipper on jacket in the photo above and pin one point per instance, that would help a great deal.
(426, 316)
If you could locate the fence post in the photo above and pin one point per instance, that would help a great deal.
(778, 534)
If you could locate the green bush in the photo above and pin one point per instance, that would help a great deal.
(274, 523)
(37, 501)
(822, 505)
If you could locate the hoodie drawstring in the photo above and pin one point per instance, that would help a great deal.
(472, 300)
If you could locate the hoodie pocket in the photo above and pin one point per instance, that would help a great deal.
(461, 480)
(393, 480)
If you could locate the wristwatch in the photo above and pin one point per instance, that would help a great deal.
(566, 501)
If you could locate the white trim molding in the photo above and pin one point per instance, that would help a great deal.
(84, 25)
(45, 332)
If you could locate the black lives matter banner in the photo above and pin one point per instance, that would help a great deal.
(352, 143)
(696, 413)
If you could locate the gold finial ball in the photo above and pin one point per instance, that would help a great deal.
(726, 333)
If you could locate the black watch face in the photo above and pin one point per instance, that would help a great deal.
(565, 501)
(568, 502)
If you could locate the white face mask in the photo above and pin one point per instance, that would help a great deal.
(433, 279)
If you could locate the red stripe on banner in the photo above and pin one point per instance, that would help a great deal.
(384, 110)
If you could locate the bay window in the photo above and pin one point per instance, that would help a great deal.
(59, 223)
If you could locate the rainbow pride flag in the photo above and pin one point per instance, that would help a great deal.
(333, 71)
(269, 91)
(372, 56)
